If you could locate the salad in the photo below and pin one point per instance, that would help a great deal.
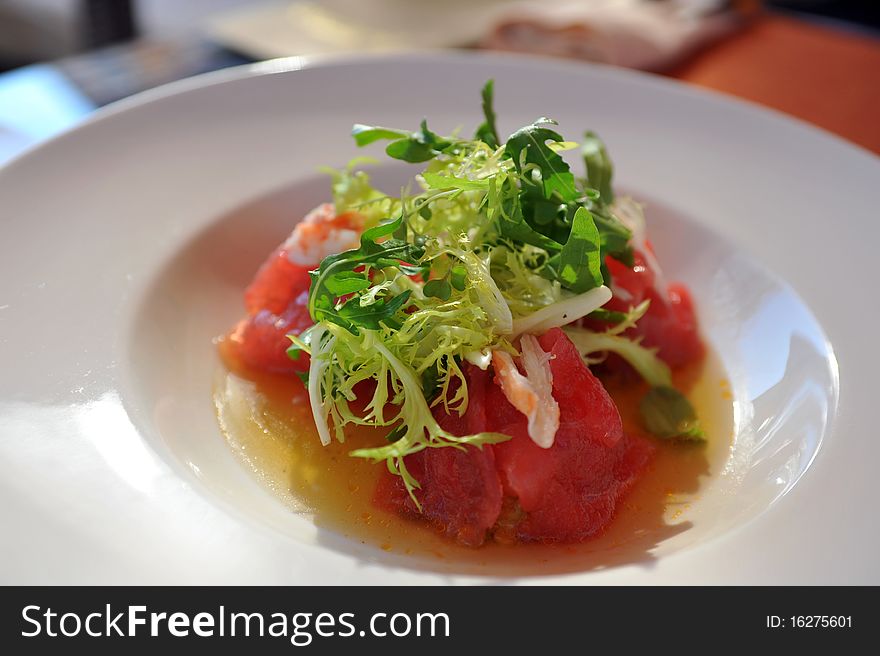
(464, 321)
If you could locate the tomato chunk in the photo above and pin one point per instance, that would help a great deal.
(670, 324)
(277, 284)
(563, 494)
(277, 299)
(569, 492)
(460, 490)
(277, 305)
(260, 341)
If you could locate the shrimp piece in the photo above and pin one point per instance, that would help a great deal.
(531, 394)
(321, 233)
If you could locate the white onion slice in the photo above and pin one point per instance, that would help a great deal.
(563, 312)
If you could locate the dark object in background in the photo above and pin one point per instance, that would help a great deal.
(863, 12)
(105, 22)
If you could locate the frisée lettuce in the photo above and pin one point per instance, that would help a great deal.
(501, 239)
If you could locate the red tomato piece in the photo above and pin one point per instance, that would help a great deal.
(260, 341)
(581, 397)
(672, 328)
(277, 284)
(460, 489)
(277, 305)
(637, 281)
(669, 325)
(460, 494)
(569, 491)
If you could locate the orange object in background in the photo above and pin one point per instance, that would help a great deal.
(827, 76)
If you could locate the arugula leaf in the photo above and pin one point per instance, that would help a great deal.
(666, 413)
(367, 134)
(614, 235)
(548, 214)
(346, 282)
(506, 209)
(414, 147)
(579, 264)
(487, 132)
(528, 145)
(336, 277)
(599, 167)
(374, 315)
(411, 150)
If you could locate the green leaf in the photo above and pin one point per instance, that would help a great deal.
(458, 277)
(372, 316)
(666, 413)
(615, 236)
(511, 220)
(346, 282)
(304, 377)
(487, 132)
(294, 352)
(579, 263)
(543, 212)
(439, 288)
(599, 167)
(437, 181)
(430, 383)
(419, 146)
(382, 230)
(367, 134)
(528, 145)
(336, 277)
(608, 316)
(643, 360)
(411, 150)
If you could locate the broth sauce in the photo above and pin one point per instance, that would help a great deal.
(268, 423)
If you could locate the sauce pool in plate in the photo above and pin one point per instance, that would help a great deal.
(267, 421)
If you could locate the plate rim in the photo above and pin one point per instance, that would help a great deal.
(295, 63)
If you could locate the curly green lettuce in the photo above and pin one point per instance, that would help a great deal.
(500, 240)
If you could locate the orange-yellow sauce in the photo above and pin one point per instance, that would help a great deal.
(267, 421)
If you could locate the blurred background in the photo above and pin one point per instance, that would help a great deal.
(818, 60)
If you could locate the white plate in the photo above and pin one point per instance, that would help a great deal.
(125, 244)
